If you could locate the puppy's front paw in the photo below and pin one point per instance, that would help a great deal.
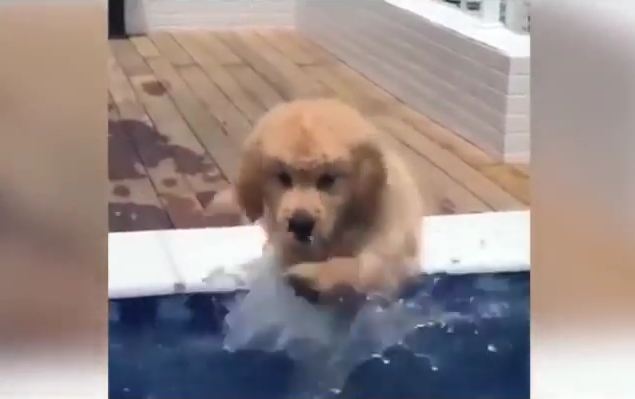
(326, 276)
(305, 273)
(318, 283)
(302, 278)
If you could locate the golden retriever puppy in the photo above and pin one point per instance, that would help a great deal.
(338, 207)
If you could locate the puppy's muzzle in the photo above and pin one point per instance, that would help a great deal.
(301, 225)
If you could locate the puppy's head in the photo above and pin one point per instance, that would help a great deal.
(312, 166)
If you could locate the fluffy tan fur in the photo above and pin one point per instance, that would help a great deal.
(325, 159)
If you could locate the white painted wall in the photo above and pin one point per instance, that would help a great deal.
(474, 80)
(145, 15)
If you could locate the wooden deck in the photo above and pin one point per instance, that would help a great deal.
(180, 104)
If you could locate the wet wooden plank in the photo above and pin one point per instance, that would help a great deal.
(440, 193)
(233, 121)
(145, 46)
(284, 75)
(284, 41)
(173, 159)
(170, 49)
(449, 140)
(217, 49)
(122, 94)
(318, 53)
(510, 178)
(259, 63)
(192, 161)
(346, 90)
(151, 146)
(135, 65)
(255, 85)
(154, 94)
(504, 175)
(133, 204)
(219, 75)
(475, 182)
(207, 129)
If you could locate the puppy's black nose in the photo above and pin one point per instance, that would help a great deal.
(301, 224)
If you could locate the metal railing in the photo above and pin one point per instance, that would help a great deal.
(514, 14)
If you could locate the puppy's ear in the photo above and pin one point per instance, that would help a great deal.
(371, 176)
(249, 185)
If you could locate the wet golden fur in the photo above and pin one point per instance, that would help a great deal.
(324, 158)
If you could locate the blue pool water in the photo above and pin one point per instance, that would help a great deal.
(173, 347)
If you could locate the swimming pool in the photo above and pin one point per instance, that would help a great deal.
(470, 340)
(166, 347)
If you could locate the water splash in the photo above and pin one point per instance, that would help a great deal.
(325, 342)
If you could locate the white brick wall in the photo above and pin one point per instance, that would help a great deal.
(146, 15)
(479, 88)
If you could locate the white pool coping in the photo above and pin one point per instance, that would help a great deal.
(164, 262)
(497, 35)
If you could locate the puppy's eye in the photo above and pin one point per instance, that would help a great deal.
(326, 181)
(285, 179)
